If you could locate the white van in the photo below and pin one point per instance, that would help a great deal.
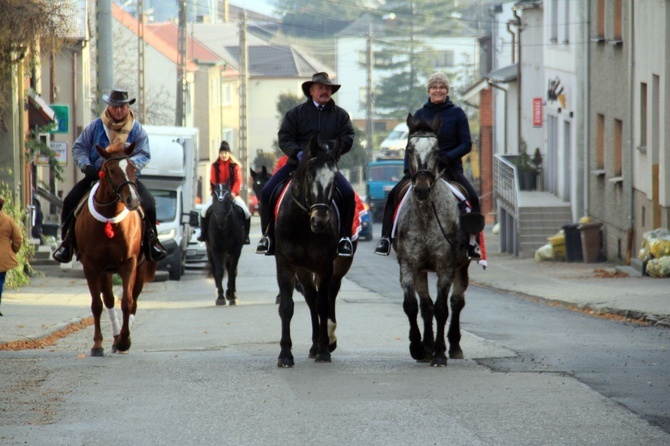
(396, 141)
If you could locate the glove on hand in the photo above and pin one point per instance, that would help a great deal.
(91, 172)
(294, 158)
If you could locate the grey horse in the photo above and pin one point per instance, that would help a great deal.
(429, 238)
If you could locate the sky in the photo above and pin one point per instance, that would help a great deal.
(262, 6)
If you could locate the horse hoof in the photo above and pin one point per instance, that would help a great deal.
(278, 299)
(312, 353)
(114, 348)
(417, 352)
(99, 352)
(221, 302)
(332, 346)
(232, 301)
(322, 357)
(439, 362)
(285, 363)
(456, 354)
(123, 346)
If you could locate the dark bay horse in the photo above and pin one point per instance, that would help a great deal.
(306, 233)
(429, 239)
(259, 180)
(108, 234)
(224, 242)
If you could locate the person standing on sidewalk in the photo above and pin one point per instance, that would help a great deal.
(454, 142)
(116, 124)
(10, 243)
(318, 116)
(226, 170)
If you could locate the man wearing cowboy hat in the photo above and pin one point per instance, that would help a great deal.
(319, 116)
(117, 123)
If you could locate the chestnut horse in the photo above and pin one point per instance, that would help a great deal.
(108, 233)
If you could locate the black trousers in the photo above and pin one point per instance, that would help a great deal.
(79, 190)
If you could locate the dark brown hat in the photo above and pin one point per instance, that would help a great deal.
(319, 78)
(117, 98)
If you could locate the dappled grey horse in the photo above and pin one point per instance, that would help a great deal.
(429, 239)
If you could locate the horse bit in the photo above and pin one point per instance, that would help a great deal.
(115, 188)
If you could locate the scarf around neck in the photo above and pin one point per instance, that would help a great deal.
(118, 131)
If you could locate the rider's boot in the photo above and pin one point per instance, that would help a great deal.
(247, 228)
(266, 244)
(383, 247)
(345, 248)
(63, 254)
(204, 226)
(155, 251)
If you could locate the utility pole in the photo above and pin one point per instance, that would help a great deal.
(105, 53)
(369, 103)
(244, 80)
(181, 65)
(142, 106)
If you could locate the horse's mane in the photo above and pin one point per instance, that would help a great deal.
(318, 154)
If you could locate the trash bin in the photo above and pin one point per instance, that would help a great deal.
(573, 243)
(590, 233)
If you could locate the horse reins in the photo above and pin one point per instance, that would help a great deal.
(115, 188)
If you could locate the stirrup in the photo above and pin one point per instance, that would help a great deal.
(263, 246)
(474, 253)
(345, 248)
(383, 247)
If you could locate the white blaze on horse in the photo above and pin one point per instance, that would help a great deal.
(429, 238)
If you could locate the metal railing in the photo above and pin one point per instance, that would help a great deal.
(505, 180)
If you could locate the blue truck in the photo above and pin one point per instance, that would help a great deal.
(380, 177)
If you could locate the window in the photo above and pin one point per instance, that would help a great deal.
(643, 114)
(618, 147)
(553, 17)
(618, 20)
(600, 19)
(566, 21)
(227, 94)
(443, 59)
(600, 141)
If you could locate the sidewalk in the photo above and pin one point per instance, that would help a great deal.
(52, 302)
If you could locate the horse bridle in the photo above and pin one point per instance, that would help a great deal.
(424, 172)
(308, 208)
(115, 188)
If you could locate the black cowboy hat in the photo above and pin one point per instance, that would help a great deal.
(319, 78)
(117, 98)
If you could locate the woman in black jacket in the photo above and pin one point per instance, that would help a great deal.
(454, 143)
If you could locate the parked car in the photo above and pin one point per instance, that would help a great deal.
(366, 223)
(196, 251)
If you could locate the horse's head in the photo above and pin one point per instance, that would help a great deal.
(422, 151)
(120, 174)
(221, 193)
(315, 178)
(260, 179)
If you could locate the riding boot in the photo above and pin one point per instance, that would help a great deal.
(154, 250)
(204, 229)
(384, 245)
(247, 228)
(63, 254)
(266, 243)
(345, 248)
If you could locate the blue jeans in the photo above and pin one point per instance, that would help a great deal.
(2, 282)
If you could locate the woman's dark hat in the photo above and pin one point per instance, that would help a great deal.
(224, 147)
(319, 78)
(117, 98)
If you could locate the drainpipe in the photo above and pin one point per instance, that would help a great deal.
(518, 80)
(585, 136)
(631, 78)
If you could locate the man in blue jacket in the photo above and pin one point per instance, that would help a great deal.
(116, 123)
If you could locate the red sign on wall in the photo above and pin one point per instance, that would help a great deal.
(537, 112)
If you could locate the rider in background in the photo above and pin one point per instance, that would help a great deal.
(454, 143)
(117, 123)
(319, 116)
(226, 170)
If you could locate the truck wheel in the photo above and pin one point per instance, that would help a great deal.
(178, 270)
